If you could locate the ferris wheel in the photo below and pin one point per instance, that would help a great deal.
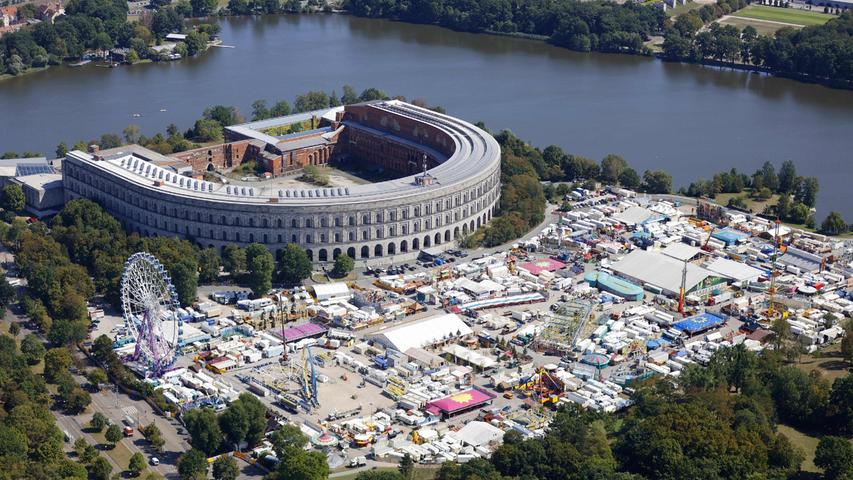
(150, 308)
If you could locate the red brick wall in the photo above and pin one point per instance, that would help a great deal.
(223, 156)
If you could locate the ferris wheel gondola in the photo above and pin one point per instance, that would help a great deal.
(150, 304)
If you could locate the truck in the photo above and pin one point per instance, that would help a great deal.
(356, 462)
(128, 431)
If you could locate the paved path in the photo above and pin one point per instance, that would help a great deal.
(773, 22)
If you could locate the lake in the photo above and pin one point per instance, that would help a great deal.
(690, 120)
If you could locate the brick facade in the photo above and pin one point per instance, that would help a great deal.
(220, 157)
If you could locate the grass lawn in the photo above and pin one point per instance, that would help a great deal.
(785, 15)
(756, 206)
(761, 26)
(120, 454)
(420, 473)
(828, 362)
(804, 442)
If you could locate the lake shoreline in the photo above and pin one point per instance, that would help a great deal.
(829, 83)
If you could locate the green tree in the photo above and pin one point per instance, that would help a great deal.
(288, 440)
(203, 8)
(787, 176)
(100, 469)
(99, 422)
(806, 191)
(97, 377)
(197, 42)
(193, 465)
(304, 466)
(833, 224)
(371, 94)
(847, 342)
(657, 181)
(244, 420)
(113, 434)
(154, 436)
(784, 458)
(260, 111)
(56, 360)
(769, 177)
(234, 424)
(840, 405)
(225, 468)
(349, 96)
(280, 109)
(204, 429)
(186, 283)
(32, 348)
(406, 467)
(343, 265)
(835, 456)
(12, 199)
(132, 133)
(311, 101)
(61, 150)
(80, 446)
(206, 130)
(208, 263)
(630, 179)
(293, 264)
(76, 400)
(234, 260)
(136, 464)
(612, 167)
(261, 267)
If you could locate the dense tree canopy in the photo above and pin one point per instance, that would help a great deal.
(584, 26)
(816, 52)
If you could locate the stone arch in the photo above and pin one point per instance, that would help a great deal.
(437, 238)
(478, 222)
(323, 255)
(427, 242)
(472, 225)
(416, 244)
(455, 233)
(351, 252)
(377, 250)
(310, 254)
(336, 253)
(365, 252)
(464, 229)
(447, 235)
(404, 246)
(392, 249)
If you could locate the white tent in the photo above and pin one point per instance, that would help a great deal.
(423, 333)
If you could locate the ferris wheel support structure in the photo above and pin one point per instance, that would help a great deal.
(150, 304)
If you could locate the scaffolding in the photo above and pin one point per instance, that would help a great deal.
(563, 328)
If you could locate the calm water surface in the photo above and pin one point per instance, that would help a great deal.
(690, 120)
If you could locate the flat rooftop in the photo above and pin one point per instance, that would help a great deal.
(475, 151)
